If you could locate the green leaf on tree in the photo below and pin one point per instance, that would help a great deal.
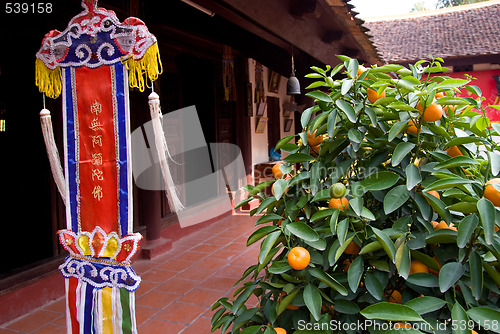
(386, 242)
(396, 197)
(426, 304)
(347, 109)
(355, 272)
(379, 181)
(303, 231)
(449, 274)
(390, 312)
(487, 213)
(485, 316)
(313, 300)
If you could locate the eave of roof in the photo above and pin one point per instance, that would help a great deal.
(431, 12)
(464, 31)
(344, 10)
(273, 21)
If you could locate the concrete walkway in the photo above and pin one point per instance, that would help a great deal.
(178, 288)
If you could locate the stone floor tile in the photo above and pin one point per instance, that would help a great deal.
(219, 283)
(178, 285)
(202, 297)
(33, 321)
(157, 299)
(156, 326)
(51, 329)
(196, 274)
(158, 275)
(179, 312)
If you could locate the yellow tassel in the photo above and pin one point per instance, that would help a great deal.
(48, 81)
(149, 64)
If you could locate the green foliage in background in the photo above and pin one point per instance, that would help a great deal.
(389, 174)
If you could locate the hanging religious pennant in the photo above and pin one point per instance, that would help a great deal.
(259, 83)
(91, 64)
(228, 74)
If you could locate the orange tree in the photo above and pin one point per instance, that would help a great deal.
(410, 208)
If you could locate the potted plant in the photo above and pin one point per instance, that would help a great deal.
(388, 220)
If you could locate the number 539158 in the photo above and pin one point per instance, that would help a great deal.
(26, 7)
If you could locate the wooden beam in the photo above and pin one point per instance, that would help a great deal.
(271, 20)
(299, 8)
(350, 52)
(332, 36)
(241, 19)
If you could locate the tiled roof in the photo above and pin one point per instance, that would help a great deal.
(464, 31)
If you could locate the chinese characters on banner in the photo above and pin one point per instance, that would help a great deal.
(96, 139)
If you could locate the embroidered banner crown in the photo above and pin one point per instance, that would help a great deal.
(99, 244)
(93, 38)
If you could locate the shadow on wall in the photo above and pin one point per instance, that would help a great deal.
(202, 173)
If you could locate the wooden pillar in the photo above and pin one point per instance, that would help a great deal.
(243, 125)
(151, 213)
(134, 8)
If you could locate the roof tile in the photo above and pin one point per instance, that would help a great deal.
(471, 32)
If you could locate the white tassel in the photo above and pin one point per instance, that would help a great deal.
(52, 152)
(161, 148)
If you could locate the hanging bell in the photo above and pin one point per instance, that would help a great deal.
(293, 86)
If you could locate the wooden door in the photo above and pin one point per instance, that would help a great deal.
(273, 122)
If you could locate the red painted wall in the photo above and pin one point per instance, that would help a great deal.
(484, 80)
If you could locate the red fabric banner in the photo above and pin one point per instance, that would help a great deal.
(97, 149)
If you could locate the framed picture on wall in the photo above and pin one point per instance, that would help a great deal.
(249, 100)
(288, 124)
(274, 82)
(261, 107)
(289, 108)
(261, 125)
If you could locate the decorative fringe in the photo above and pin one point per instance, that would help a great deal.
(48, 81)
(91, 310)
(161, 147)
(149, 64)
(52, 152)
